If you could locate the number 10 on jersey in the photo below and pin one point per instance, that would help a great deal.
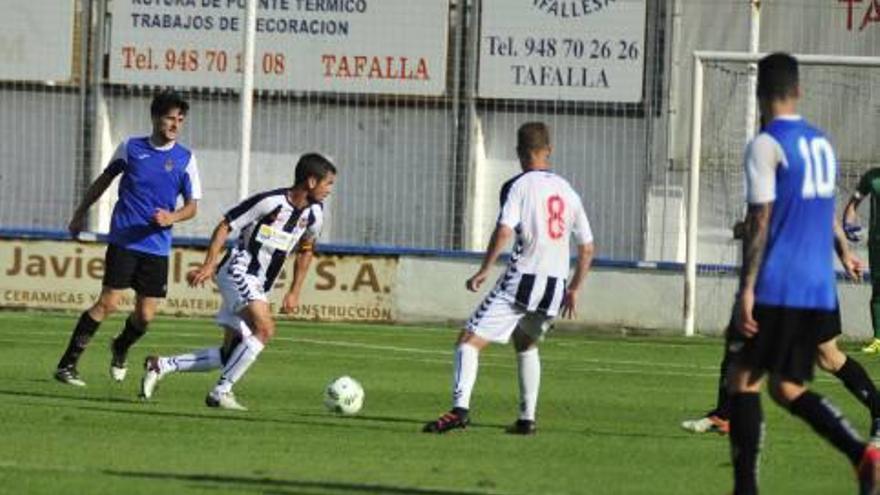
(820, 168)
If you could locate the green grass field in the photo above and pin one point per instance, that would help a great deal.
(608, 418)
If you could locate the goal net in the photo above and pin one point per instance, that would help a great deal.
(841, 95)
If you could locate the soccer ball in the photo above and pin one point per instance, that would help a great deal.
(344, 395)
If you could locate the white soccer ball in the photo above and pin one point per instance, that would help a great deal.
(344, 395)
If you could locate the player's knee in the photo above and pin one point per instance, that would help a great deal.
(823, 362)
(143, 317)
(830, 359)
(103, 308)
(472, 340)
(785, 392)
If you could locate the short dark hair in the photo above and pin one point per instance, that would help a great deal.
(777, 76)
(312, 165)
(167, 100)
(532, 136)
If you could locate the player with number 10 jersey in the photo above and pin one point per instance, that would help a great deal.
(797, 270)
(787, 300)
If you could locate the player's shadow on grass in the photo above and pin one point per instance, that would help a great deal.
(286, 486)
(325, 421)
(364, 417)
(393, 419)
(639, 435)
(43, 395)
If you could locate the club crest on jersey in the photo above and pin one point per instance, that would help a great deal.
(303, 222)
(169, 165)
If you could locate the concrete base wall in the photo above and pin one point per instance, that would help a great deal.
(432, 290)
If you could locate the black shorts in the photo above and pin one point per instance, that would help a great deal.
(146, 273)
(829, 332)
(786, 341)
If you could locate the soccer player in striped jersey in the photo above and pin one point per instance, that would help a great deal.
(542, 212)
(155, 170)
(787, 299)
(270, 225)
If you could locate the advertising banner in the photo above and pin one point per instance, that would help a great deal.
(36, 41)
(577, 50)
(352, 46)
(67, 275)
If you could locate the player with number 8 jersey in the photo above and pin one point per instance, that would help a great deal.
(542, 211)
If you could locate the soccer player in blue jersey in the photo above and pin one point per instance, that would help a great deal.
(830, 358)
(787, 299)
(155, 170)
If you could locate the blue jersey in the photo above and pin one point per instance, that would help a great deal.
(798, 266)
(152, 178)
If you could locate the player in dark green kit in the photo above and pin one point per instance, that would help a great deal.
(869, 185)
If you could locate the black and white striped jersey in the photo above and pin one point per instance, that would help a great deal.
(269, 227)
(545, 212)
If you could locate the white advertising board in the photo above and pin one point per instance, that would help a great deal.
(36, 41)
(351, 46)
(578, 50)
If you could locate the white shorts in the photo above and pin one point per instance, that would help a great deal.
(237, 291)
(497, 317)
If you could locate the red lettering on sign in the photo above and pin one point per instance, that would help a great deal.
(871, 15)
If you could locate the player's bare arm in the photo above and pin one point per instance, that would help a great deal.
(849, 212)
(851, 263)
(95, 190)
(500, 239)
(301, 263)
(755, 228)
(851, 225)
(165, 218)
(212, 258)
(584, 261)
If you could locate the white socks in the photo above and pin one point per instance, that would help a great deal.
(201, 360)
(242, 357)
(464, 375)
(529, 382)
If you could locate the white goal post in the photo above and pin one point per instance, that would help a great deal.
(701, 58)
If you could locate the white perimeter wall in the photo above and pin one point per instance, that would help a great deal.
(432, 290)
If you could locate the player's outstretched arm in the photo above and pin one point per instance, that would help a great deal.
(584, 261)
(212, 258)
(95, 190)
(500, 238)
(300, 268)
